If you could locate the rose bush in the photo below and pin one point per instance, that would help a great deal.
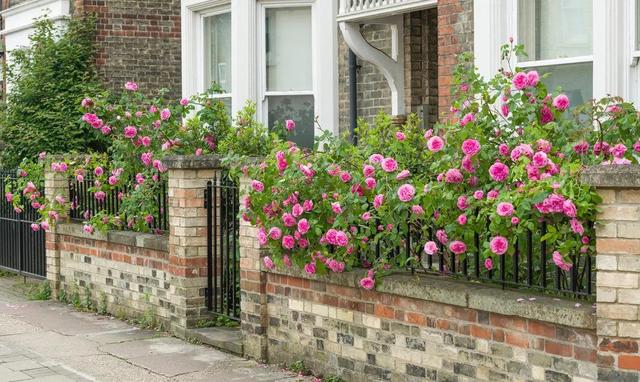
(509, 161)
(141, 132)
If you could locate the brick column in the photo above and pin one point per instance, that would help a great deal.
(55, 184)
(618, 276)
(253, 303)
(188, 177)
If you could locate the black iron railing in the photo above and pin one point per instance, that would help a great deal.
(22, 250)
(222, 198)
(84, 204)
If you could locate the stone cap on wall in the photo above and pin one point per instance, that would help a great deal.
(613, 176)
(133, 239)
(485, 297)
(193, 162)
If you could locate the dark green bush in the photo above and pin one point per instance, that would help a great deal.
(47, 81)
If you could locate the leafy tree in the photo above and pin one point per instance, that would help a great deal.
(47, 81)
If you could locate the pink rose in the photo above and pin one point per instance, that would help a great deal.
(546, 115)
(389, 165)
(581, 148)
(417, 210)
(165, 114)
(375, 158)
(8, 196)
(470, 147)
(442, 237)
(88, 229)
(453, 175)
(478, 195)
(366, 216)
(576, 226)
(100, 195)
(131, 86)
(288, 242)
(539, 159)
(499, 245)
(297, 210)
(569, 209)
(275, 233)
(310, 268)
(289, 124)
(618, 150)
(560, 263)
(431, 248)
(367, 283)
(268, 263)
(532, 78)
(469, 117)
(520, 81)
(336, 208)
(368, 170)
(371, 183)
(462, 202)
(403, 175)
(503, 149)
(435, 144)
(406, 192)
(342, 240)
(499, 172)
(345, 176)
(303, 226)
(130, 132)
(561, 102)
(458, 247)
(505, 209)
(378, 200)
(515, 220)
(488, 264)
(462, 219)
(400, 136)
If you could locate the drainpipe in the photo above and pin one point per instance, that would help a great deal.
(353, 96)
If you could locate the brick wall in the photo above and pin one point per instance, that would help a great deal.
(131, 271)
(338, 328)
(455, 36)
(618, 264)
(137, 40)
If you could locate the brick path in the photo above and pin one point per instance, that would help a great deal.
(47, 341)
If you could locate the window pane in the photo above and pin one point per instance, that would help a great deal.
(299, 108)
(288, 49)
(217, 54)
(576, 80)
(555, 28)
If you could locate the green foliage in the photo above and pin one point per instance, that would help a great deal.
(40, 292)
(47, 81)
(218, 322)
(299, 367)
(103, 306)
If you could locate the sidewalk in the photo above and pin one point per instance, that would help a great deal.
(48, 341)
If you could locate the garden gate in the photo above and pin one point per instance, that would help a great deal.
(222, 203)
(21, 249)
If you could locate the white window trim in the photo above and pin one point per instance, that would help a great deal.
(193, 13)
(324, 62)
(613, 25)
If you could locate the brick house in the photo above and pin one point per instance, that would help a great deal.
(137, 40)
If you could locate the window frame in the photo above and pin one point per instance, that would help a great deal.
(552, 61)
(263, 92)
(215, 11)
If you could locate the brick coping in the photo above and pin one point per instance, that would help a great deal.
(133, 239)
(465, 294)
(613, 176)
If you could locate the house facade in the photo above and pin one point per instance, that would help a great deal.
(291, 57)
(136, 40)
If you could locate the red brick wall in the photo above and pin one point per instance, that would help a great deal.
(138, 40)
(377, 335)
(455, 36)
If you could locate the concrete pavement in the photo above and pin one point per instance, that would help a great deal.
(50, 342)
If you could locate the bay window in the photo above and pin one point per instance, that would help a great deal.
(288, 89)
(558, 38)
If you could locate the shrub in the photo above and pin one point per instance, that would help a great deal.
(512, 157)
(47, 80)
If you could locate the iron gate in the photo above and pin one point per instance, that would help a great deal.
(21, 249)
(222, 201)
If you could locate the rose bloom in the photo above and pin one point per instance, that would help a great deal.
(458, 247)
(499, 245)
(618, 150)
(165, 114)
(303, 226)
(505, 209)
(503, 149)
(488, 264)
(336, 208)
(560, 263)
(470, 147)
(367, 283)
(478, 195)
(441, 235)
(268, 262)
(467, 164)
(275, 233)
(581, 148)
(540, 159)
(462, 219)
(288, 242)
(417, 209)
(515, 220)
(499, 172)
(297, 210)
(88, 229)
(310, 268)
(288, 220)
(370, 182)
(453, 175)
(569, 209)
(520, 81)
(561, 102)
(577, 227)
(532, 78)
(546, 115)
(462, 202)
(431, 248)
(403, 175)
(435, 144)
(345, 176)
(400, 136)
(289, 124)
(368, 170)
(375, 158)
(469, 117)
(342, 240)
(130, 132)
(406, 192)
(131, 86)
(389, 164)
(377, 201)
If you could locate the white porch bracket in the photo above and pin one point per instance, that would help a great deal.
(391, 67)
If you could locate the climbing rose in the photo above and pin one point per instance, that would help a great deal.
(389, 164)
(310, 268)
(303, 226)
(488, 264)
(275, 233)
(469, 117)
(88, 229)
(546, 115)
(462, 219)
(268, 262)
(499, 245)
(417, 209)
(8, 196)
(435, 144)
(520, 81)
(441, 235)
(165, 114)
(370, 182)
(406, 192)
(35, 227)
(289, 124)
(470, 147)
(377, 201)
(458, 247)
(505, 209)
(288, 242)
(288, 220)
(403, 175)
(368, 170)
(375, 158)
(130, 132)
(540, 159)
(400, 136)
(257, 185)
(367, 283)
(559, 261)
(431, 248)
(453, 175)
(499, 172)
(532, 78)
(131, 86)
(561, 102)
(365, 216)
(462, 203)
(576, 226)
(100, 195)
(618, 150)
